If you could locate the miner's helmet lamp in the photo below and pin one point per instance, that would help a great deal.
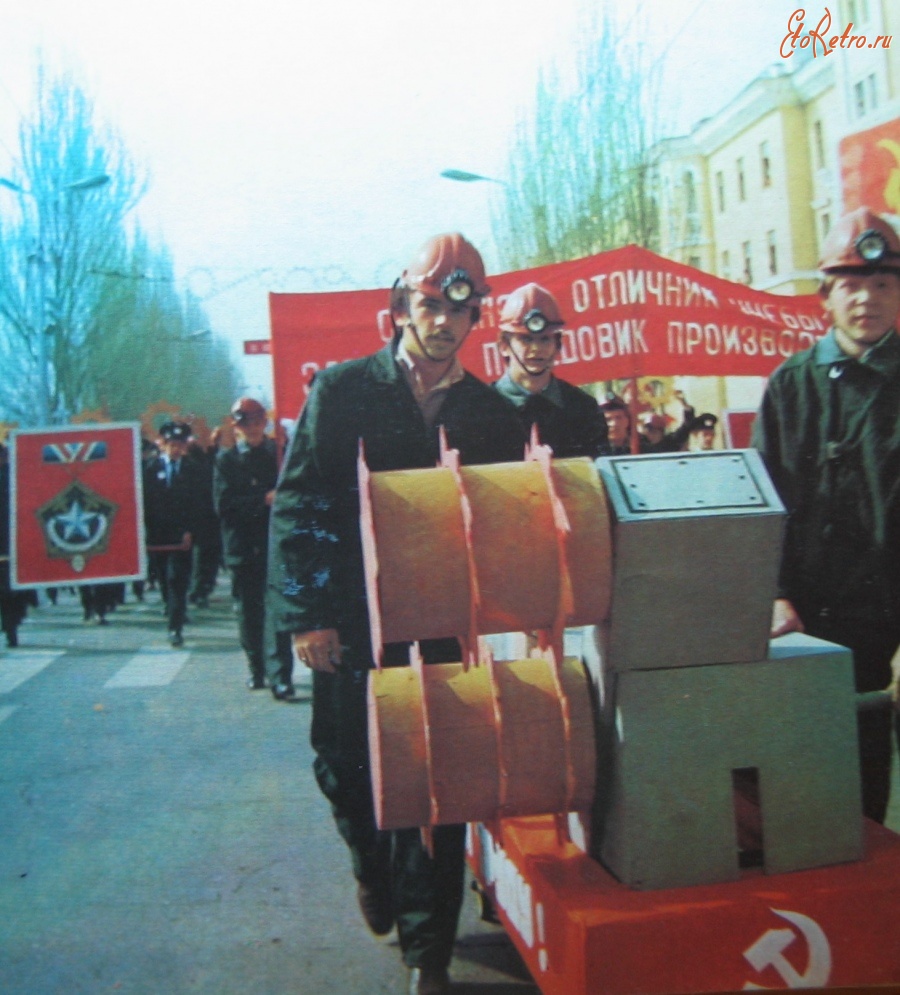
(247, 409)
(861, 240)
(447, 266)
(530, 310)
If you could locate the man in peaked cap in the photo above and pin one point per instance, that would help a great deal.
(395, 402)
(173, 494)
(567, 419)
(829, 432)
(702, 433)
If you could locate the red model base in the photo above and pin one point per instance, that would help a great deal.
(581, 931)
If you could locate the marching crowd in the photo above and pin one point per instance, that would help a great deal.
(286, 525)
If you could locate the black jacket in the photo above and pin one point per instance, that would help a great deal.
(243, 476)
(316, 578)
(170, 511)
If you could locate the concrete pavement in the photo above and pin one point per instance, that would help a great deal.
(161, 829)
(161, 832)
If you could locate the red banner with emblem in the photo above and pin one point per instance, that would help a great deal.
(870, 168)
(629, 313)
(77, 506)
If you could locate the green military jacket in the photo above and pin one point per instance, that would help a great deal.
(316, 578)
(829, 433)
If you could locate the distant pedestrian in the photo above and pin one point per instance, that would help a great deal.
(618, 424)
(244, 488)
(702, 433)
(207, 546)
(13, 604)
(173, 495)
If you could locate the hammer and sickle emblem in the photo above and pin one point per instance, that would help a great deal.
(768, 951)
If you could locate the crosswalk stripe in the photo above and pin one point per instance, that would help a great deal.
(15, 670)
(150, 667)
(6, 711)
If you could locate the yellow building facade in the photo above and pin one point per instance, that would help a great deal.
(749, 194)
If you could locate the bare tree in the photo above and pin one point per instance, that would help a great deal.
(72, 189)
(89, 313)
(580, 162)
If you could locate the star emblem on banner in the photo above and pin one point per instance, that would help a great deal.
(76, 524)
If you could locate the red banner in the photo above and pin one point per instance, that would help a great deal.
(870, 168)
(77, 506)
(629, 313)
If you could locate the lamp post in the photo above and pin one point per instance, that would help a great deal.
(40, 257)
(462, 176)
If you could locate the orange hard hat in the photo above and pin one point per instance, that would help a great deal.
(246, 409)
(447, 266)
(861, 240)
(530, 309)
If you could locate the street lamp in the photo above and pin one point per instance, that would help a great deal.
(461, 176)
(77, 186)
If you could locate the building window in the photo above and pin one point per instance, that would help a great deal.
(872, 88)
(726, 264)
(819, 144)
(772, 249)
(765, 164)
(690, 193)
(865, 95)
(720, 190)
(826, 224)
(742, 191)
(748, 263)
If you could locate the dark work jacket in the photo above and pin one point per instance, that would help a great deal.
(568, 419)
(243, 476)
(829, 433)
(169, 512)
(316, 578)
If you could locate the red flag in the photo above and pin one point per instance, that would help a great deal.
(629, 313)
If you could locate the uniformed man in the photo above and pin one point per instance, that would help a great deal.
(702, 433)
(173, 493)
(829, 432)
(618, 424)
(395, 403)
(568, 420)
(244, 488)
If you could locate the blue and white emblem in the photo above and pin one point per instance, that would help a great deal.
(76, 524)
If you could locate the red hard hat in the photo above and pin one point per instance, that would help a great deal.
(447, 266)
(245, 408)
(530, 309)
(861, 240)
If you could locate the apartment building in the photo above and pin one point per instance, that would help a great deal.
(749, 194)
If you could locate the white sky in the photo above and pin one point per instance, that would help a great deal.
(284, 133)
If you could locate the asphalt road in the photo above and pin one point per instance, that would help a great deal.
(161, 832)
